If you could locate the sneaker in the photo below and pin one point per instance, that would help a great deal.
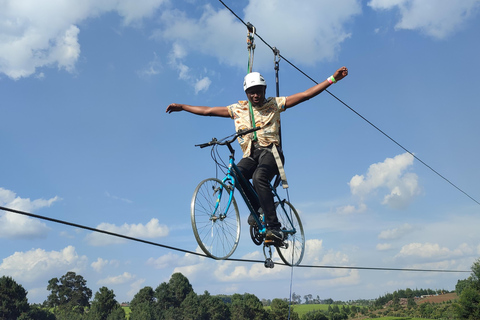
(251, 220)
(275, 235)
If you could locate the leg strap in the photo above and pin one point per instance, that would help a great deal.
(281, 170)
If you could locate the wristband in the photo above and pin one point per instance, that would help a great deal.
(331, 80)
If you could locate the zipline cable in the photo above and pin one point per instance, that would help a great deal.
(358, 114)
(203, 255)
(259, 261)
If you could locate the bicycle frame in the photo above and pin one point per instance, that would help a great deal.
(232, 178)
(216, 218)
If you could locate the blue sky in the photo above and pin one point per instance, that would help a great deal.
(85, 138)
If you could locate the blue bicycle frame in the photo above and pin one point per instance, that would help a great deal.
(218, 234)
(232, 178)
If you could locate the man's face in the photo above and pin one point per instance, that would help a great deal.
(256, 95)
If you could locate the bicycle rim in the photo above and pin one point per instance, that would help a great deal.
(215, 223)
(289, 218)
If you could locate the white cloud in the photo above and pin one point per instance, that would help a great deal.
(219, 34)
(350, 209)
(35, 34)
(39, 264)
(202, 84)
(436, 18)
(135, 287)
(314, 31)
(171, 259)
(230, 273)
(118, 198)
(390, 174)
(153, 67)
(177, 53)
(433, 251)
(176, 57)
(99, 264)
(133, 10)
(395, 233)
(115, 280)
(13, 225)
(349, 278)
(214, 34)
(153, 229)
(384, 246)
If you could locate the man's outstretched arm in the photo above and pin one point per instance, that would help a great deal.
(199, 110)
(297, 98)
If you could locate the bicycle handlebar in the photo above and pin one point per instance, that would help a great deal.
(222, 142)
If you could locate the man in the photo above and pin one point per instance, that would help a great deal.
(258, 162)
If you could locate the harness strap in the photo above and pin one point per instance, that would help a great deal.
(251, 50)
(281, 170)
(252, 117)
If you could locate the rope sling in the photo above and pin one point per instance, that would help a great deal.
(251, 50)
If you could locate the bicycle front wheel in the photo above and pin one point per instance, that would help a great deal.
(215, 218)
(294, 237)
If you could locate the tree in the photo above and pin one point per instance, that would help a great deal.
(315, 315)
(296, 298)
(143, 305)
(469, 301)
(246, 307)
(38, 313)
(280, 310)
(308, 298)
(214, 307)
(476, 274)
(104, 304)
(117, 313)
(190, 308)
(13, 299)
(462, 284)
(171, 294)
(70, 292)
(411, 303)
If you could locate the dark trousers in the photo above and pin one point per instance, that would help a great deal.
(261, 168)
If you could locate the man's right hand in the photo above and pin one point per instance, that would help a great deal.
(174, 107)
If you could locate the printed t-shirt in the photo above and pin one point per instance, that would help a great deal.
(266, 116)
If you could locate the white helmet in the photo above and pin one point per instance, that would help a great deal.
(253, 79)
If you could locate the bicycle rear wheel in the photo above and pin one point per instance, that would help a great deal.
(294, 236)
(215, 219)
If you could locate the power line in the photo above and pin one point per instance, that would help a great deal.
(203, 255)
(356, 112)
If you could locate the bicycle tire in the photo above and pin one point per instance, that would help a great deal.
(293, 254)
(217, 236)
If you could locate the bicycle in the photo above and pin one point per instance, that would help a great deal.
(216, 219)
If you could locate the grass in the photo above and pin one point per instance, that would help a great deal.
(127, 312)
(400, 318)
(302, 309)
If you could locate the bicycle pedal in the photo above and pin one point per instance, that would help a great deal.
(268, 242)
(269, 263)
(276, 243)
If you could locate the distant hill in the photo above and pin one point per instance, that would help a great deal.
(438, 299)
